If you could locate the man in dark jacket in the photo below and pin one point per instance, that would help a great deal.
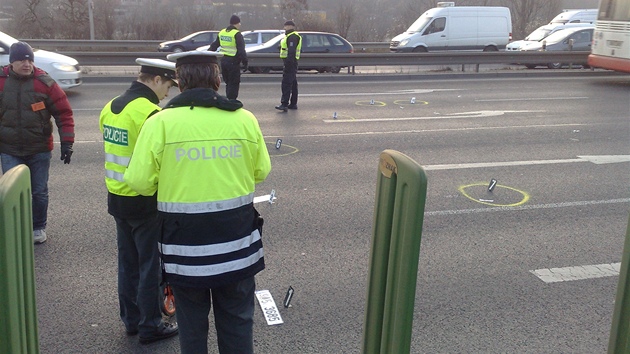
(290, 48)
(28, 100)
(232, 46)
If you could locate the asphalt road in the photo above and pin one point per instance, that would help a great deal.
(477, 291)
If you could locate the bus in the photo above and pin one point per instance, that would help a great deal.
(611, 40)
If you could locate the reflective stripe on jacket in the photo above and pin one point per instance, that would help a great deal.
(204, 162)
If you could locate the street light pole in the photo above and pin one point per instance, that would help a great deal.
(91, 15)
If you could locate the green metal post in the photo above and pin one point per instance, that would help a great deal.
(18, 325)
(619, 342)
(398, 215)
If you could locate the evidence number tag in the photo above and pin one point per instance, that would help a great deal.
(268, 307)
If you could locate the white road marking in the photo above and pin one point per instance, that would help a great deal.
(414, 131)
(596, 159)
(531, 99)
(371, 94)
(554, 275)
(476, 114)
(526, 207)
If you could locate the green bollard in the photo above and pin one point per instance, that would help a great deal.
(619, 342)
(18, 326)
(398, 215)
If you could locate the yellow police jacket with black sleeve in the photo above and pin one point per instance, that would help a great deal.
(291, 45)
(120, 122)
(228, 41)
(203, 154)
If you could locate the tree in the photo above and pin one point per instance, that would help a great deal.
(31, 19)
(105, 18)
(291, 9)
(72, 19)
(345, 17)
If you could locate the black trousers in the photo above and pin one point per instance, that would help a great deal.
(231, 73)
(233, 307)
(289, 83)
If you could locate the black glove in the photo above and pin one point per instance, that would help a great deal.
(66, 152)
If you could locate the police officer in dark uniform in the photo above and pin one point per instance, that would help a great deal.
(232, 46)
(290, 48)
(137, 227)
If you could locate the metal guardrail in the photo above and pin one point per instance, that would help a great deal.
(358, 59)
(138, 45)
(124, 56)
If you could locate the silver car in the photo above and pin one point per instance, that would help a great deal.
(568, 39)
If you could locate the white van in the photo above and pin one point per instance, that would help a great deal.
(575, 16)
(450, 27)
(543, 32)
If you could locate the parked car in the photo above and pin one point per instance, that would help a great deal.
(63, 69)
(190, 42)
(312, 42)
(561, 41)
(259, 37)
(542, 32)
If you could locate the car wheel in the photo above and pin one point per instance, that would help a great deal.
(178, 49)
(255, 70)
(490, 48)
(554, 65)
(335, 69)
(322, 70)
(265, 70)
(420, 50)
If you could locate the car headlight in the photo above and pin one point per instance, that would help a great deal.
(404, 42)
(63, 67)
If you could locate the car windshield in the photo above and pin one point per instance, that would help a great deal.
(6, 39)
(558, 36)
(538, 34)
(420, 23)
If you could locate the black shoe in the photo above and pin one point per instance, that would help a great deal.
(166, 330)
(282, 108)
(292, 106)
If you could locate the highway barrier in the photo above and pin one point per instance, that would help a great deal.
(619, 342)
(125, 52)
(401, 191)
(18, 327)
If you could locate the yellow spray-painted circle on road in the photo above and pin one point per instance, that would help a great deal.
(273, 152)
(524, 195)
(369, 103)
(408, 102)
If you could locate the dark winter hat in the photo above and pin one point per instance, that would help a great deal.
(20, 51)
(234, 20)
(289, 23)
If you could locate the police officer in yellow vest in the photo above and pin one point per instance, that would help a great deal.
(203, 154)
(136, 215)
(232, 46)
(290, 48)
